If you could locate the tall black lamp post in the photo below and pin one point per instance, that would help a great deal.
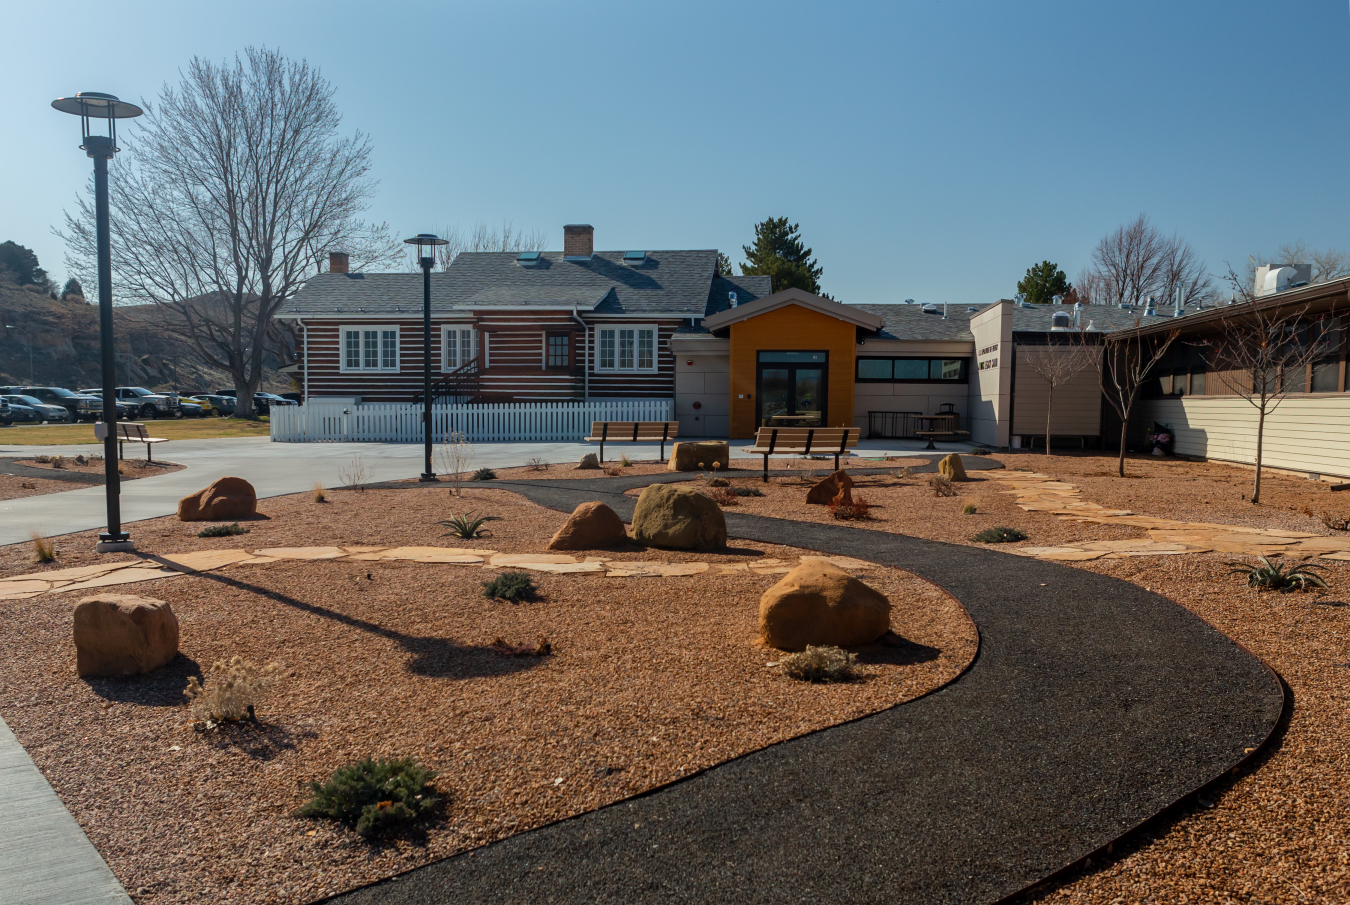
(100, 113)
(426, 256)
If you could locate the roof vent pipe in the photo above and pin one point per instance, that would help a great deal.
(731, 299)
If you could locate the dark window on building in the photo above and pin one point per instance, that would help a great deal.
(1326, 368)
(913, 370)
(559, 350)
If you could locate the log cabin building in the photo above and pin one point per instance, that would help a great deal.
(507, 327)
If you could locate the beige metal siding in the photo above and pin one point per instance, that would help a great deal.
(1077, 404)
(1306, 433)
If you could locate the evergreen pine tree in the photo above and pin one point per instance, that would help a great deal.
(723, 264)
(72, 287)
(1043, 282)
(22, 264)
(780, 254)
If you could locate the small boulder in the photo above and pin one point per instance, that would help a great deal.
(680, 518)
(951, 468)
(820, 604)
(226, 499)
(699, 455)
(828, 490)
(590, 460)
(123, 635)
(591, 526)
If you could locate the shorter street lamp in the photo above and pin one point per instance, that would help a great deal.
(426, 250)
(28, 336)
(100, 112)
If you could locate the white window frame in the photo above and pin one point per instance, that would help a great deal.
(617, 343)
(446, 367)
(379, 348)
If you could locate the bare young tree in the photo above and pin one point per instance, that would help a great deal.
(1137, 261)
(1057, 366)
(1262, 353)
(485, 238)
(233, 192)
(1123, 366)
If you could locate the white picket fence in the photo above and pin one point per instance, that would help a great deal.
(401, 422)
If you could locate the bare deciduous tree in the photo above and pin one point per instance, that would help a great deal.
(1057, 366)
(485, 238)
(1262, 353)
(1137, 261)
(1327, 264)
(1123, 366)
(235, 189)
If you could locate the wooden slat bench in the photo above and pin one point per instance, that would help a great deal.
(136, 434)
(803, 441)
(632, 432)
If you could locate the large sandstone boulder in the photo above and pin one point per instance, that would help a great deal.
(699, 455)
(123, 635)
(591, 526)
(819, 603)
(825, 493)
(224, 500)
(590, 460)
(951, 468)
(680, 518)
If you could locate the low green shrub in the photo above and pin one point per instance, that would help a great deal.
(968, 509)
(1000, 536)
(1268, 576)
(510, 586)
(820, 664)
(484, 474)
(374, 795)
(223, 530)
(749, 491)
(981, 451)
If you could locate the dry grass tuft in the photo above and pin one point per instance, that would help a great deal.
(820, 664)
(850, 510)
(355, 475)
(319, 496)
(941, 485)
(536, 463)
(233, 688)
(44, 550)
(723, 496)
(625, 462)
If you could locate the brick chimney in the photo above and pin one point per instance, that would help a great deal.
(337, 262)
(578, 241)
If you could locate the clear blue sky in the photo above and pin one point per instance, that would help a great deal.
(931, 150)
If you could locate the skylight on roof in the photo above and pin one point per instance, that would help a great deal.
(526, 258)
(634, 257)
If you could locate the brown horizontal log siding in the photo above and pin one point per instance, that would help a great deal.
(515, 346)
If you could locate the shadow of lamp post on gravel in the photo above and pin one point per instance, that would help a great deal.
(426, 257)
(101, 112)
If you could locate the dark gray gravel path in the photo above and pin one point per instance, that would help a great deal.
(1092, 706)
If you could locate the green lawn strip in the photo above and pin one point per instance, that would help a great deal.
(83, 434)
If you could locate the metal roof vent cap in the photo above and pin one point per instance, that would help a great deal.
(731, 299)
(929, 309)
(1060, 321)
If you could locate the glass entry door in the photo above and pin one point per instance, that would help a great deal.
(791, 389)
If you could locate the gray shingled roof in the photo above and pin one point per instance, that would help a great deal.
(912, 322)
(667, 282)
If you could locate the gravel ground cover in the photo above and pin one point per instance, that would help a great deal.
(15, 473)
(132, 468)
(1277, 834)
(13, 487)
(744, 467)
(651, 679)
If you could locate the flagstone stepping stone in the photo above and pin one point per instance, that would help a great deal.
(843, 562)
(1074, 555)
(302, 552)
(22, 590)
(563, 568)
(656, 569)
(449, 555)
(74, 573)
(121, 576)
(1136, 545)
(1343, 555)
(201, 560)
(520, 559)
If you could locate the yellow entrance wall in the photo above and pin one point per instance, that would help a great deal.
(791, 328)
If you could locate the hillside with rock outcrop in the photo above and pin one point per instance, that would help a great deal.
(65, 347)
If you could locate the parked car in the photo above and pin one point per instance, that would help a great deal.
(53, 414)
(261, 401)
(214, 404)
(22, 412)
(125, 412)
(294, 397)
(81, 406)
(6, 416)
(148, 404)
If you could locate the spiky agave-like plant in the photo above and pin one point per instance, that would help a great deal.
(1268, 576)
(468, 526)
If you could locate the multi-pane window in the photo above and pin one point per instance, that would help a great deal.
(558, 351)
(370, 348)
(627, 349)
(913, 370)
(457, 347)
(1326, 366)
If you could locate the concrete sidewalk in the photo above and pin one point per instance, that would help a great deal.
(280, 468)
